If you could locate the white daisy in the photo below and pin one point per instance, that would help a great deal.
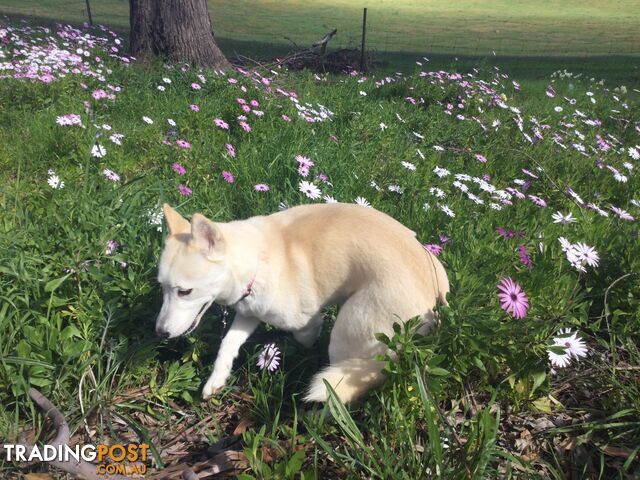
(309, 189)
(441, 172)
(363, 201)
(558, 217)
(55, 182)
(98, 151)
(447, 210)
(408, 165)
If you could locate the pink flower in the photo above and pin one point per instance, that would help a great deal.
(481, 158)
(246, 108)
(195, 108)
(254, 103)
(304, 161)
(230, 150)
(179, 169)
(195, 86)
(538, 201)
(228, 176)
(183, 144)
(241, 101)
(261, 187)
(221, 123)
(432, 248)
(513, 299)
(303, 170)
(99, 94)
(524, 258)
(286, 118)
(245, 126)
(112, 246)
(509, 233)
(184, 190)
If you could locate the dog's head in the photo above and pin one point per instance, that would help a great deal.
(192, 272)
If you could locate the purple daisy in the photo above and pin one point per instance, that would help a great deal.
(221, 123)
(112, 246)
(184, 190)
(513, 299)
(183, 144)
(524, 258)
(179, 169)
(111, 175)
(261, 187)
(432, 248)
(228, 176)
(230, 150)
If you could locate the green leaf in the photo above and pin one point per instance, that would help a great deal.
(52, 285)
(295, 462)
(438, 371)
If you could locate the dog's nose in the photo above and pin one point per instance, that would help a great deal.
(162, 333)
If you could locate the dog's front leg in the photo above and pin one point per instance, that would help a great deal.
(241, 329)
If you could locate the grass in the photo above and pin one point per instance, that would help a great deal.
(476, 399)
(530, 39)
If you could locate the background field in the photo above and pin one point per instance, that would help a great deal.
(529, 38)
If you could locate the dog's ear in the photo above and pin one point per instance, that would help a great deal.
(205, 234)
(175, 221)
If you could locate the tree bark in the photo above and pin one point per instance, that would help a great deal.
(179, 30)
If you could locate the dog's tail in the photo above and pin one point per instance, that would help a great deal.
(349, 378)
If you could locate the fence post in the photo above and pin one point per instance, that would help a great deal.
(364, 33)
(89, 13)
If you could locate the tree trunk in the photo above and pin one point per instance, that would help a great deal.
(179, 30)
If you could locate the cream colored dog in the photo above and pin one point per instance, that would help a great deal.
(285, 268)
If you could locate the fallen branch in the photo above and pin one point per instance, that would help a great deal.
(81, 469)
(226, 463)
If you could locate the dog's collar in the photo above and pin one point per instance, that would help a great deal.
(247, 291)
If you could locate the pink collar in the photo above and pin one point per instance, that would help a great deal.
(247, 291)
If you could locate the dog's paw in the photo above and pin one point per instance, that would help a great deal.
(211, 388)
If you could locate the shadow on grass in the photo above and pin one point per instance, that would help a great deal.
(613, 68)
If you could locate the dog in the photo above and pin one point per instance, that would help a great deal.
(285, 268)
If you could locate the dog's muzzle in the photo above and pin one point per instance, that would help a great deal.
(162, 333)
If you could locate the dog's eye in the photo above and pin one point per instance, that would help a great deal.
(184, 293)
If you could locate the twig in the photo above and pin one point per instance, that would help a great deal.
(80, 469)
(186, 431)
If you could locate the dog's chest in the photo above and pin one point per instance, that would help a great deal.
(287, 319)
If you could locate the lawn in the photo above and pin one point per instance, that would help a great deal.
(536, 182)
(531, 39)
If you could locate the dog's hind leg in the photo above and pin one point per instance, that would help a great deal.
(240, 330)
(353, 369)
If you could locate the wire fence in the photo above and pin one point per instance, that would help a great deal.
(260, 29)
